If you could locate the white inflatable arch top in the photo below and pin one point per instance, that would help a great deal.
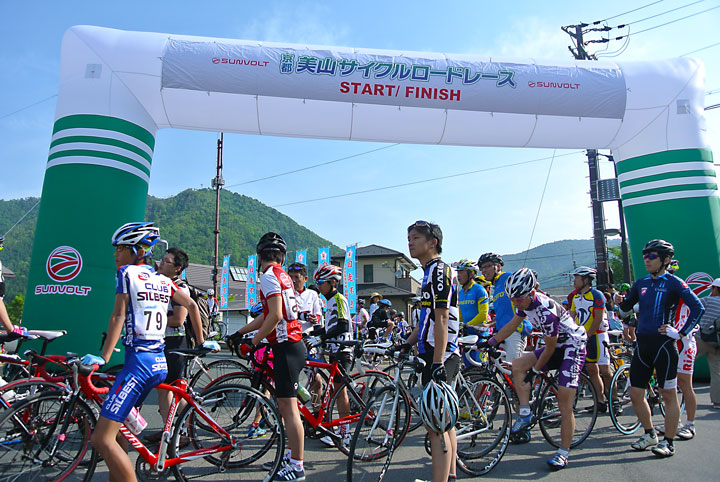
(118, 88)
(249, 87)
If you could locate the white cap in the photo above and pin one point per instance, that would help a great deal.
(716, 282)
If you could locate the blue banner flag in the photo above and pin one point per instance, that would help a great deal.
(323, 256)
(349, 282)
(225, 283)
(301, 257)
(251, 291)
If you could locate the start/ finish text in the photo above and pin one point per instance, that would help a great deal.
(407, 91)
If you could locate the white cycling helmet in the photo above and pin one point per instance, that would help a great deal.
(132, 234)
(520, 283)
(328, 272)
(585, 271)
(439, 407)
(210, 292)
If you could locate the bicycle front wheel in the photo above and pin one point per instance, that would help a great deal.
(34, 447)
(244, 456)
(622, 413)
(483, 427)
(584, 408)
(377, 435)
(210, 372)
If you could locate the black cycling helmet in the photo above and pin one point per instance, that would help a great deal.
(660, 246)
(492, 257)
(271, 242)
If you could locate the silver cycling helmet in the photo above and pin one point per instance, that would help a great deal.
(520, 283)
(585, 271)
(439, 407)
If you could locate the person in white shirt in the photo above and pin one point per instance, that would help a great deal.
(360, 320)
(374, 298)
(310, 312)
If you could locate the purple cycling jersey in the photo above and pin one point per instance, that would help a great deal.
(550, 318)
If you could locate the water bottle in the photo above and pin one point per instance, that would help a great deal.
(303, 394)
(135, 422)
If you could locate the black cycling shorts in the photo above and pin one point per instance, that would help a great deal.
(289, 360)
(658, 352)
(175, 363)
(343, 359)
(452, 365)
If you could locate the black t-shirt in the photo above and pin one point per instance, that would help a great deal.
(379, 319)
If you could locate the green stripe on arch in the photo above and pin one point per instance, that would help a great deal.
(93, 121)
(663, 190)
(102, 140)
(102, 155)
(665, 157)
(666, 175)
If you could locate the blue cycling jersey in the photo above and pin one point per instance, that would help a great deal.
(504, 310)
(659, 300)
(472, 302)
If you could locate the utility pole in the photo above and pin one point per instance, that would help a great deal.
(601, 253)
(217, 182)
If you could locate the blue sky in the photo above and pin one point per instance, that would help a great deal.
(466, 207)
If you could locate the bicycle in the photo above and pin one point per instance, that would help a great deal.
(218, 327)
(61, 432)
(544, 404)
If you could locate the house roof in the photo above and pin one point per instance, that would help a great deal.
(377, 251)
(7, 272)
(200, 276)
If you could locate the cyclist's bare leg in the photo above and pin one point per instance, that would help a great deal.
(104, 441)
(685, 385)
(641, 407)
(343, 404)
(593, 372)
(520, 366)
(316, 389)
(606, 376)
(566, 396)
(441, 461)
(293, 426)
(453, 444)
(672, 411)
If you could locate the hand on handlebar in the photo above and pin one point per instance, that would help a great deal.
(313, 341)
(20, 330)
(211, 345)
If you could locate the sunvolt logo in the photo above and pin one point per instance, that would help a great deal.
(63, 264)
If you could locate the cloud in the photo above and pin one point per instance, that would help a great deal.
(304, 24)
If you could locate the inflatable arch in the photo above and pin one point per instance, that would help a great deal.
(118, 88)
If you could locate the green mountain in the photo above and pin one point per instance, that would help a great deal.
(186, 220)
(553, 260)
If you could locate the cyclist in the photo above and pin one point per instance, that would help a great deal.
(687, 349)
(491, 266)
(472, 300)
(588, 310)
(213, 305)
(658, 294)
(142, 300)
(309, 307)
(381, 319)
(564, 350)
(437, 332)
(337, 328)
(360, 320)
(280, 325)
(374, 303)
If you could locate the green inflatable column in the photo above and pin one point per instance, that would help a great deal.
(673, 195)
(96, 179)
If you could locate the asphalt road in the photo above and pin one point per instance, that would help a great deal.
(605, 455)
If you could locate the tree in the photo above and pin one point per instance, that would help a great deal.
(616, 264)
(15, 309)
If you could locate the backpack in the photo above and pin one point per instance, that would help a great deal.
(710, 332)
(197, 296)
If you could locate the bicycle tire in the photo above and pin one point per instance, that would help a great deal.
(374, 441)
(584, 409)
(483, 437)
(232, 407)
(623, 417)
(32, 443)
(210, 372)
(23, 389)
(363, 386)
(220, 328)
(411, 379)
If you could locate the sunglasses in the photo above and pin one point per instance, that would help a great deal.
(651, 256)
(295, 268)
(423, 225)
(320, 282)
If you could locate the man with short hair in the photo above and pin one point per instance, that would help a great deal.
(310, 311)
(712, 350)
(491, 267)
(437, 333)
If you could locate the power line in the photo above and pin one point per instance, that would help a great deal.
(21, 218)
(509, 260)
(313, 166)
(659, 14)
(537, 215)
(28, 106)
(668, 23)
(700, 49)
(394, 186)
(597, 22)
